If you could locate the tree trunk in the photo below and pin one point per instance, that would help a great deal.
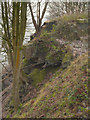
(16, 75)
(37, 24)
(19, 36)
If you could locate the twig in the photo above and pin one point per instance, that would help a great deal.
(4, 66)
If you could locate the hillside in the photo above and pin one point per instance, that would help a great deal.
(64, 95)
(54, 72)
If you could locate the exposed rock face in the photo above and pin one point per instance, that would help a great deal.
(49, 25)
(43, 56)
(29, 51)
(52, 48)
(45, 52)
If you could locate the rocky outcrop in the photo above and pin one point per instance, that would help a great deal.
(43, 56)
(48, 26)
(58, 43)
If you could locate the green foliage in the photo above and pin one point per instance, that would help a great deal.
(81, 108)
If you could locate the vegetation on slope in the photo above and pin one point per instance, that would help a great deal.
(68, 28)
(64, 95)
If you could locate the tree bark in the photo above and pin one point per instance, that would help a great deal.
(14, 40)
(19, 36)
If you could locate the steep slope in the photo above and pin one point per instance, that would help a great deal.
(64, 95)
(54, 72)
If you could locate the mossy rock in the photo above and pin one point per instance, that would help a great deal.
(54, 58)
(59, 55)
(29, 51)
(67, 58)
(67, 31)
(37, 76)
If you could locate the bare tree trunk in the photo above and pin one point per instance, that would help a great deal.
(6, 30)
(43, 13)
(16, 55)
(33, 19)
(14, 41)
(20, 31)
(37, 24)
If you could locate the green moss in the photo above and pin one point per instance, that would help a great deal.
(24, 61)
(8, 116)
(54, 57)
(67, 57)
(37, 76)
(23, 115)
(49, 57)
(52, 69)
(54, 47)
